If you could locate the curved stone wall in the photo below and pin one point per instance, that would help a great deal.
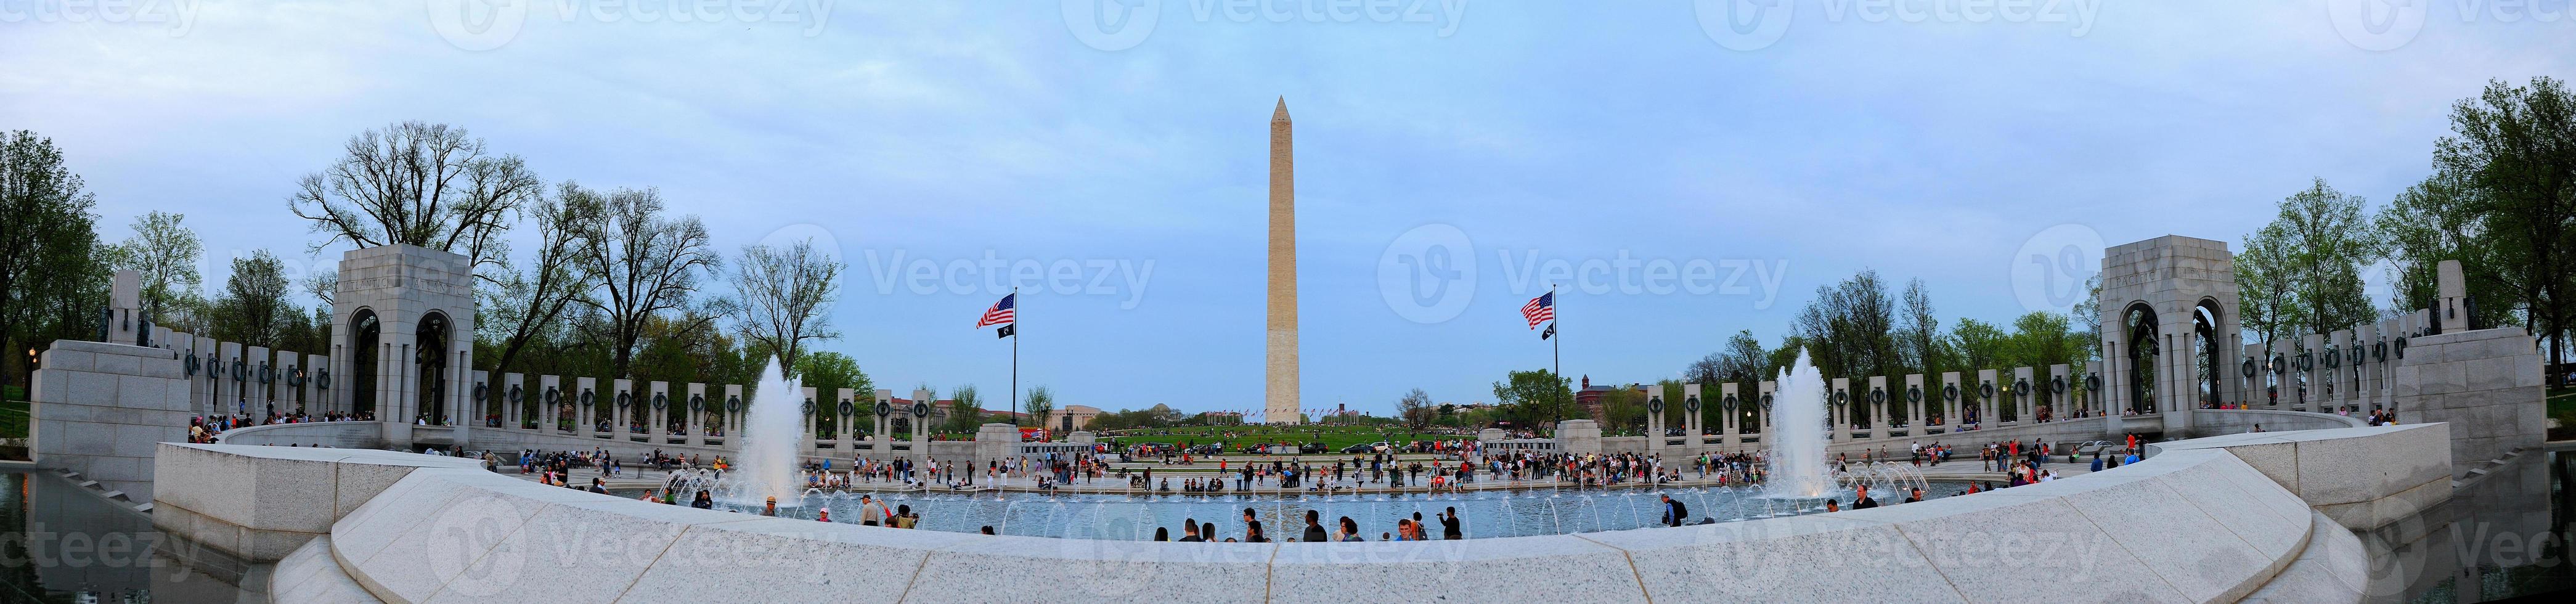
(340, 435)
(2212, 422)
(2220, 530)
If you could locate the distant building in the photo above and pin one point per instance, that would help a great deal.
(1589, 398)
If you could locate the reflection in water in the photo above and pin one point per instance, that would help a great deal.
(2502, 535)
(61, 543)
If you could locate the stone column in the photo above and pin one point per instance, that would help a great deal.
(550, 403)
(696, 414)
(1839, 415)
(807, 404)
(586, 410)
(2025, 380)
(1877, 399)
(1951, 395)
(289, 400)
(2314, 397)
(1655, 419)
(848, 409)
(1915, 406)
(1763, 392)
(661, 401)
(621, 417)
(920, 438)
(2060, 384)
(1693, 408)
(881, 441)
(255, 361)
(509, 393)
(229, 398)
(313, 394)
(1730, 422)
(1985, 402)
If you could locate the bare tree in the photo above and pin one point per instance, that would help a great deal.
(528, 303)
(785, 296)
(1920, 328)
(1415, 408)
(417, 183)
(646, 264)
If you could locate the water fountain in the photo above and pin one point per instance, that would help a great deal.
(1798, 451)
(768, 451)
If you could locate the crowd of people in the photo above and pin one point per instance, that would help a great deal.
(203, 429)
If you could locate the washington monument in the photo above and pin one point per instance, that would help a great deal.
(1281, 397)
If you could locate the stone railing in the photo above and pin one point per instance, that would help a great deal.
(2225, 525)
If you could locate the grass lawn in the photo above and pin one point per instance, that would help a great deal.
(13, 419)
(1334, 437)
(2562, 406)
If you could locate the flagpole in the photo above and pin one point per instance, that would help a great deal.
(1556, 349)
(1015, 359)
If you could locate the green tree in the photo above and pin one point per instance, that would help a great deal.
(1040, 405)
(164, 254)
(965, 410)
(253, 308)
(784, 295)
(2326, 239)
(829, 372)
(50, 282)
(2504, 187)
(1537, 397)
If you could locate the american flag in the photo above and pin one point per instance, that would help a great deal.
(1002, 312)
(1540, 309)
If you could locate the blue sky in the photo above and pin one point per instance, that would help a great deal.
(1940, 139)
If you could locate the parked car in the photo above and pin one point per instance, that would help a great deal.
(1313, 447)
(1363, 448)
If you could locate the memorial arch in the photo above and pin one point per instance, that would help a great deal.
(2171, 331)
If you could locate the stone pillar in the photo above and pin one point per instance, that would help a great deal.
(313, 393)
(2061, 382)
(1763, 394)
(282, 381)
(1877, 400)
(881, 441)
(1951, 394)
(1917, 406)
(920, 437)
(993, 442)
(659, 397)
(2025, 382)
(1730, 422)
(622, 416)
(228, 396)
(255, 361)
(551, 397)
(1985, 402)
(733, 405)
(585, 397)
(2313, 345)
(1693, 408)
(1838, 416)
(2486, 383)
(1655, 419)
(511, 392)
(1579, 437)
(696, 414)
(848, 410)
(2451, 294)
